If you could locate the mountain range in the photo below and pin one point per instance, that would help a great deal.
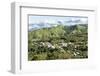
(40, 25)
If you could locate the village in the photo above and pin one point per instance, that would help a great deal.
(58, 43)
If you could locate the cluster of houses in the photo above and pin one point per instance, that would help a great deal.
(49, 45)
(60, 46)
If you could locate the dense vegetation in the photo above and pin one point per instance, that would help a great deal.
(60, 42)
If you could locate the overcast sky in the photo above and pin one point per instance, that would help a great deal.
(65, 20)
(53, 19)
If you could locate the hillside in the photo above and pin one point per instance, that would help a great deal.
(59, 42)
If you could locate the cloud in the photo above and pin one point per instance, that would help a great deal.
(37, 22)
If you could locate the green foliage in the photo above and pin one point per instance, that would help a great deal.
(60, 42)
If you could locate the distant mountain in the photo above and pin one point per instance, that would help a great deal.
(79, 26)
(40, 26)
(59, 30)
(50, 25)
(47, 24)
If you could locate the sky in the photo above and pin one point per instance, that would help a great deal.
(39, 21)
